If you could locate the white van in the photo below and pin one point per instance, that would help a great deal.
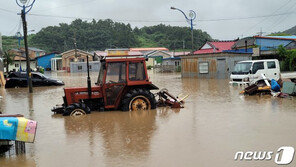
(249, 72)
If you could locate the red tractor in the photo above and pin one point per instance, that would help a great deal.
(123, 83)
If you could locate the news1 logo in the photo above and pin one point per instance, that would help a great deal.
(283, 156)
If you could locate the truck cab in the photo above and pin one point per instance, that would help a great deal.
(249, 72)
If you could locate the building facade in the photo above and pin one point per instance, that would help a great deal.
(82, 66)
(44, 61)
(211, 65)
(74, 55)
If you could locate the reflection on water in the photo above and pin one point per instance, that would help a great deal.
(215, 123)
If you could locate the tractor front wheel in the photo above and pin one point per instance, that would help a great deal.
(76, 109)
(138, 99)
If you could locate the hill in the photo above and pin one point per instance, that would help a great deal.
(102, 34)
(291, 31)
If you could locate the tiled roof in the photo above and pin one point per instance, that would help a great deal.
(216, 47)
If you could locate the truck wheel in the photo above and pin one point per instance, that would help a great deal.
(76, 109)
(138, 99)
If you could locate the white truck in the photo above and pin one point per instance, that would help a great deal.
(249, 72)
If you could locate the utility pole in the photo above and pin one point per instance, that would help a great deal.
(29, 74)
(183, 47)
(75, 46)
(23, 16)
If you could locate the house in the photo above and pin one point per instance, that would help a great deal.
(153, 54)
(20, 64)
(212, 60)
(268, 45)
(174, 61)
(35, 52)
(155, 57)
(19, 59)
(82, 66)
(211, 65)
(215, 47)
(56, 63)
(74, 55)
(45, 60)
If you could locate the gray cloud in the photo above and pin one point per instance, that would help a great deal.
(138, 12)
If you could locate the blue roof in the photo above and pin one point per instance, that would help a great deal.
(249, 50)
(288, 37)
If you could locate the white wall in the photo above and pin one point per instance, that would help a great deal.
(23, 64)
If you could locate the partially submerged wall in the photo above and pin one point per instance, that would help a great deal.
(217, 65)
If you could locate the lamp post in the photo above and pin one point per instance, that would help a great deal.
(192, 16)
(26, 7)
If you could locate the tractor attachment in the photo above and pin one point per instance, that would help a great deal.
(167, 99)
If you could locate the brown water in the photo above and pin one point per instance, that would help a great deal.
(215, 123)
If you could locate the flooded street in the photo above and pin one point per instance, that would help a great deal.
(215, 123)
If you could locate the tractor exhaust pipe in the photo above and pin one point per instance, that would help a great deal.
(88, 79)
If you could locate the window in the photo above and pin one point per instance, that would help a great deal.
(136, 71)
(270, 64)
(80, 68)
(257, 66)
(16, 65)
(203, 67)
(116, 73)
(101, 73)
(35, 76)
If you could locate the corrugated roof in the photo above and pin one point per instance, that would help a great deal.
(217, 46)
(148, 49)
(241, 43)
(130, 53)
(277, 37)
(35, 49)
(176, 54)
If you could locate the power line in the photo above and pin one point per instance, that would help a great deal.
(201, 20)
(266, 18)
(281, 19)
(68, 5)
(5, 10)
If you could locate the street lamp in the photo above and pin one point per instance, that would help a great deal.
(26, 7)
(190, 18)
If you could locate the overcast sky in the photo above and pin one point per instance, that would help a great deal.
(222, 19)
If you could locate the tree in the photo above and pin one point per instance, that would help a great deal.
(8, 60)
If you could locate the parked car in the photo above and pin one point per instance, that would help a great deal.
(19, 79)
(249, 72)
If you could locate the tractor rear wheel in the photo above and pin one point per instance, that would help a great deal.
(138, 99)
(76, 109)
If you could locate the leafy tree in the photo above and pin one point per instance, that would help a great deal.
(8, 59)
(287, 58)
(102, 34)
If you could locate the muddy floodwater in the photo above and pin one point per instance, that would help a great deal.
(215, 123)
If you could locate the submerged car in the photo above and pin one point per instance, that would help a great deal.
(19, 79)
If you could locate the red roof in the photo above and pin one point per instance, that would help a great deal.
(216, 47)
